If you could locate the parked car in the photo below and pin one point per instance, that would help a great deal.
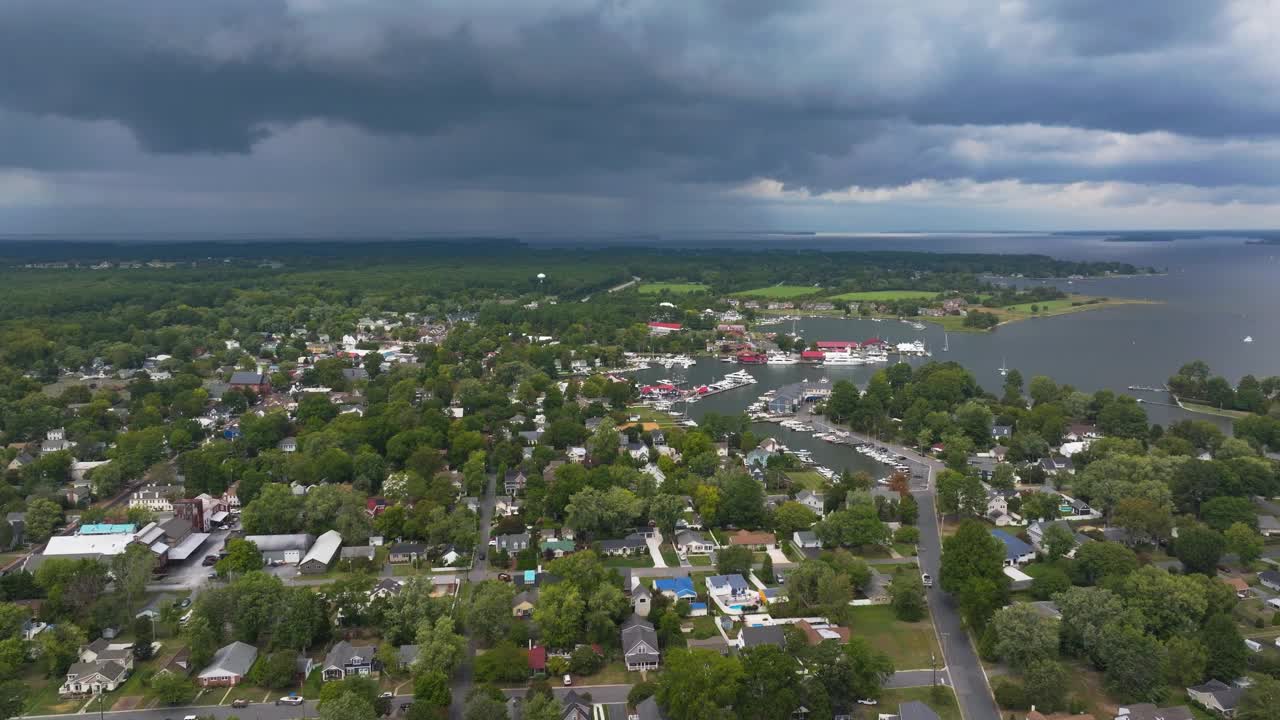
(387, 695)
(290, 700)
(926, 580)
(239, 703)
(568, 680)
(190, 717)
(504, 577)
(184, 602)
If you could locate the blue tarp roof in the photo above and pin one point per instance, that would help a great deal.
(1013, 547)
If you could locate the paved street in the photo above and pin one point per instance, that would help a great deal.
(599, 693)
(464, 680)
(255, 711)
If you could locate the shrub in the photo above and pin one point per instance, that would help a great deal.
(1010, 695)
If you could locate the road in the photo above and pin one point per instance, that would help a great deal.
(972, 689)
(634, 279)
(599, 693)
(464, 679)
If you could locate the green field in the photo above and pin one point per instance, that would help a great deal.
(779, 292)
(885, 295)
(948, 709)
(911, 646)
(807, 479)
(1211, 410)
(654, 288)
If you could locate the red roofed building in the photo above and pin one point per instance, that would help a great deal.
(538, 660)
(813, 355)
(663, 328)
(837, 344)
(873, 341)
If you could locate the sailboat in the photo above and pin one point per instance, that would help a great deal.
(1004, 367)
(946, 342)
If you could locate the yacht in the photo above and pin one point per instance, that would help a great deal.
(842, 357)
(917, 325)
(740, 377)
(777, 357)
(1248, 338)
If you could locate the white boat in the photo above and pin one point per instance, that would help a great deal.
(917, 325)
(777, 357)
(843, 357)
(741, 377)
(1004, 367)
(946, 342)
(1248, 338)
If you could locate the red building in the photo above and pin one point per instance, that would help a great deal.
(750, 358)
(252, 381)
(837, 345)
(813, 356)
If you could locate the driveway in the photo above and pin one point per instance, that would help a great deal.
(655, 550)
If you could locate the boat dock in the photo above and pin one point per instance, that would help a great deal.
(1148, 388)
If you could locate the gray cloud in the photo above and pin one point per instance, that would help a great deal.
(633, 100)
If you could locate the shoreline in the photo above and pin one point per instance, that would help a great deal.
(954, 323)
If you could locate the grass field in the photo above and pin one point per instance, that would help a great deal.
(1211, 410)
(649, 416)
(884, 295)
(1047, 309)
(910, 645)
(807, 479)
(634, 561)
(674, 288)
(779, 292)
(948, 709)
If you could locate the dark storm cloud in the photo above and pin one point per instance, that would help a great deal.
(622, 96)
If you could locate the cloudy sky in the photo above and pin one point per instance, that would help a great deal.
(307, 116)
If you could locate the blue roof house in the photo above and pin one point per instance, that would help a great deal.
(1016, 552)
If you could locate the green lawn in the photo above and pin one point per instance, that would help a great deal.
(703, 627)
(700, 560)
(808, 479)
(1211, 410)
(43, 698)
(779, 292)
(885, 295)
(636, 561)
(910, 645)
(654, 288)
(669, 555)
(947, 709)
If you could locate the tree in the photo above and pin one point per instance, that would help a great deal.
(1097, 560)
(13, 696)
(1221, 512)
(489, 614)
(1134, 663)
(505, 663)
(666, 511)
(735, 559)
(1244, 542)
(42, 517)
(1144, 519)
(1085, 614)
(172, 688)
(276, 670)
(1167, 604)
(432, 688)
(242, 557)
(1024, 636)
(1187, 660)
(1045, 682)
(858, 526)
(768, 689)
(143, 637)
(559, 615)
(132, 570)
(1199, 548)
(348, 706)
(585, 661)
(698, 685)
(741, 501)
(202, 640)
(1049, 582)
(275, 511)
(971, 553)
(485, 705)
(851, 672)
(792, 516)
(439, 647)
(541, 707)
(1058, 541)
(1260, 701)
(906, 594)
(1228, 656)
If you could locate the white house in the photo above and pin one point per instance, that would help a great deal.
(812, 500)
(805, 539)
(689, 542)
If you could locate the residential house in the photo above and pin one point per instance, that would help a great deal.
(1270, 579)
(654, 472)
(816, 633)
(731, 592)
(507, 506)
(812, 500)
(322, 554)
(358, 554)
(633, 544)
(537, 661)
(511, 544)
(576, 454)
(523, 603)
(286, 549)
(400, 553)
(1001, 432)
(386, 588)
(302, 667)
(288, 445)
(17, 525)
(805, 539)
(346, 660)
(641, 600)
(761, 541)
(1217, 696)
(575, 707)
(998, 507)
(755, 636)
(557, 547)
(90, 678)
(676, 589)
(514, 481)
(1037, 530)
(450, 556)
(1016, 552)
(178, 664)
(255, 382)
(1147, 711)
(691, 542)
(639, 645)
(231, 663)
(638, 451)
(406, 656)
(155, 498)
(1268, 525)
(1037, 715)
(1057, 464)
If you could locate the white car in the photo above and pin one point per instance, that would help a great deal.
(926, 579)
(568, 680)
(290, 700)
